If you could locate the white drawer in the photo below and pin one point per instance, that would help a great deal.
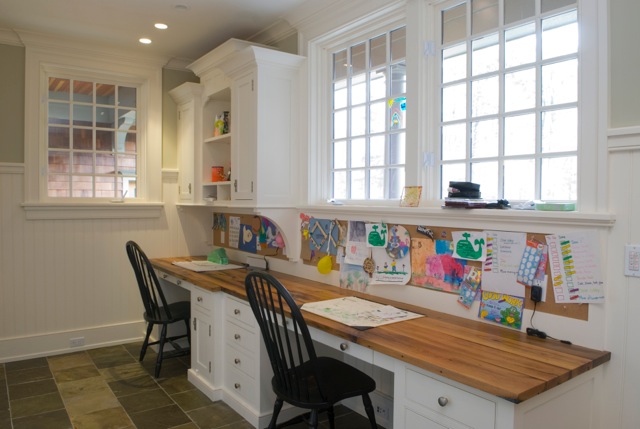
(240, 312)
(240, 360)
(444, 399)
(345, 346)
(241, 384)
(202, 300)
(241, 337)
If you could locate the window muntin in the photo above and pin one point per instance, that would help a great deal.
(509, 106)
(92, 139)
(368, 140)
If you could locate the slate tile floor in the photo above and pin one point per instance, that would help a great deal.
(107, 388)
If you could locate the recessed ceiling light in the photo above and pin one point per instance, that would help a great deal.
(145, 41)
(160, 26)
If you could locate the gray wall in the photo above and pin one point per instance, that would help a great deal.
(11, 103)
(624, 63)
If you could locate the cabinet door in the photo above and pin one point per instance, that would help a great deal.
(244, 124)
(186, 114)
(201, 342)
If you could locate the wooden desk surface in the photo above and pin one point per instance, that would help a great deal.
(503, 362)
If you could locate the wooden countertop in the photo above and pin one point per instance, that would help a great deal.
(503, 362)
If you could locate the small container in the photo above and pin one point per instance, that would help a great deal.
(217, 174)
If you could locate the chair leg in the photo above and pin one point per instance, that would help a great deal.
(313, 419)
(163, 338)
(188, 331)
(143, 350)
(277, 406)
(331, 416)
(368, 407)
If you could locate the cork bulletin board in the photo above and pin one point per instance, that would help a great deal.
(263, 234)
(310, 254)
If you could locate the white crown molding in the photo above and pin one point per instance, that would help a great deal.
(9, 37)
(274, 33)
(179, 64)
(315, 19)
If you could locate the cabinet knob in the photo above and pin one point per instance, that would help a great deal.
(236, 361)
(237, 385)
(236, 311)
(164, 276)
(199, 299)
(236, 336)
(344, 346)
(443, 401)
(179, 282)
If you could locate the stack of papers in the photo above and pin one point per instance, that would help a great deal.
(202, 266)
(359, 313)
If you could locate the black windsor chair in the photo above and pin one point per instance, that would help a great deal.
(300, 377)
(157, 310)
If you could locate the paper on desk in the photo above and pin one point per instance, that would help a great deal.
(356, 312)
(202, 266)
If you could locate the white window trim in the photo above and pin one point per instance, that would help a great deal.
(592, 105)
(320, 94)
(46, 54)
(592, 157)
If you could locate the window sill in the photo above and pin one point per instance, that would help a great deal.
(53, 211)
(465, 218)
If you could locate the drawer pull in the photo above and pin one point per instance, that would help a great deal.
(236, 311)
(237, 386)
(236, 361)
(164, 276)
(443, 401)
(344, 346)
(199, 299)
(236, 336)
(179, 282)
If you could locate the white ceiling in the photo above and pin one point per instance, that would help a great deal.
(195, 26)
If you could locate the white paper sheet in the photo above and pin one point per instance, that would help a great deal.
(500, 268)
(203, 266)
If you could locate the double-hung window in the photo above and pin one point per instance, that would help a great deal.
(92, 141)
(369, 103)
(509, 97)
(93, 135)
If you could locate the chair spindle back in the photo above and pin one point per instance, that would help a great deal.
(288, 343)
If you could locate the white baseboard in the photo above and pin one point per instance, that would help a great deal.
(54, 343)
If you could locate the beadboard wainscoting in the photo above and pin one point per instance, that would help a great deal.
(70, 279)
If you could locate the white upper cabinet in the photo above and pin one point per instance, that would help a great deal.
(258, 86)
(188, 98)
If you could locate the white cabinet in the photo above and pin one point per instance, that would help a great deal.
(265, 116)
(246, 368)
(443, 405)
(259, 87)
(425, 400)
(199, 151)
(202, 334)
(188, 98)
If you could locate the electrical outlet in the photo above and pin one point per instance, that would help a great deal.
(383, 407)
(76, 342)
(382, 412)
